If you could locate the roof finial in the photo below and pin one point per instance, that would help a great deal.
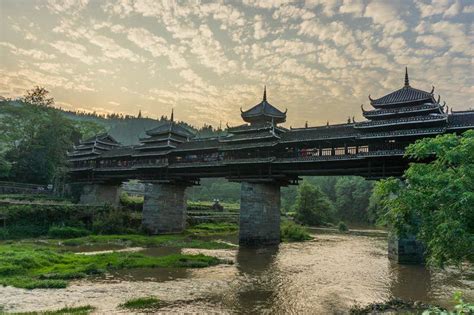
(264, 93)
(407, 82)
(172, 115)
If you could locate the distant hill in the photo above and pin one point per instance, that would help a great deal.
(125, 129)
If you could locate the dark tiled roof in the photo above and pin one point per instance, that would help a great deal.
(264, 109)
(401, 121)
(103, 138)
(247, 145)
(170, 127)
(250, 136)
(429, 107)
(402, 133)
(121, 151)
(461, 119)
(406, 94)
(198, 144)
(319, 133)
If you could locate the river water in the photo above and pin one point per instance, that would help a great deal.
(324, 276)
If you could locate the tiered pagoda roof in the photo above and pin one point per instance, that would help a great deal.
(404, 108)
(263, 112)
(163, 139)
(93, 147)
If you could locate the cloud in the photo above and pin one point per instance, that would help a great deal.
(387, 15)
(66, 6)
(33, 53)
(73, 50)
(431, 41)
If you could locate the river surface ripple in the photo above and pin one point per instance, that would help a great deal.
(323, 276)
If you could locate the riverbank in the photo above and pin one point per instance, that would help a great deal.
(328, 274)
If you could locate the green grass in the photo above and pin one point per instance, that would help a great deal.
(292, 232)
(144, 303)
(80, 310)
(175, 240)
(67, 232)
(29, 267)
(207, 229)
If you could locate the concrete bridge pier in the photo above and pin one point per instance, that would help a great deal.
(99, 194)
(259, 214)
(164, 208)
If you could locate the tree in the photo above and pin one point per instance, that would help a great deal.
(312, 206)
(38, 96)
(352, 199)
(436, 202)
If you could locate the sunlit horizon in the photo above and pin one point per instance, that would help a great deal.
(318, 59)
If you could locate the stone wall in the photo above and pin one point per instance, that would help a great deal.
(407, 250)
(259, 214)
(164, 208)
(99, 194)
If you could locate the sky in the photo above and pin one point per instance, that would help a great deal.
(320, 59)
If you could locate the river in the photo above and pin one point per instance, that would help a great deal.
(324, 276)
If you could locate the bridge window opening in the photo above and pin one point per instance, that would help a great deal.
(364, 149)
(351, 150)
(327, 151)
(340, 151)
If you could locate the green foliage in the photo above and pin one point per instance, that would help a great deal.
(436, 203)
(176, 241)
(342, 227)
(461, 307)
(144, 303)
(352, 199)
(134, 203)
(67, 232)
(33, 220)
(313, 206)
(206, 229)
(211, 189)
(30, 267)
(79, 310)
(35, 137)
(109, 222)
(292, 232)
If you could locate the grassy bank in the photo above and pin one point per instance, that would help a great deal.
(80, 310)
(28, 266)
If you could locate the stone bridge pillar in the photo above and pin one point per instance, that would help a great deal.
(259, 214)
(99, 194)
(405, 250)
(164, 208)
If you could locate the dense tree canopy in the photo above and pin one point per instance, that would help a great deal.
(35, 137)
(312, 206)
(436, 201)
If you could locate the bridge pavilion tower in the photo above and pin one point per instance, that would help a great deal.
(260, 194)
(164, 205)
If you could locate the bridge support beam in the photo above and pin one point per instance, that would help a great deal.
(164, 208)
(259, 214)
(405, 250)
(99, 194)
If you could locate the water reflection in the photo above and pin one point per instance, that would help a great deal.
(256, 288)
(410, 282)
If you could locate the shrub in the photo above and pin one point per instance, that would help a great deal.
(342, 227)
(3, 234)
(110, 222)
(142, 303)
(67, 232)
(292, 232)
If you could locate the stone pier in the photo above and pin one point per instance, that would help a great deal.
(405, 250)
(99, 194)
(259, 214)
(164, 208)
